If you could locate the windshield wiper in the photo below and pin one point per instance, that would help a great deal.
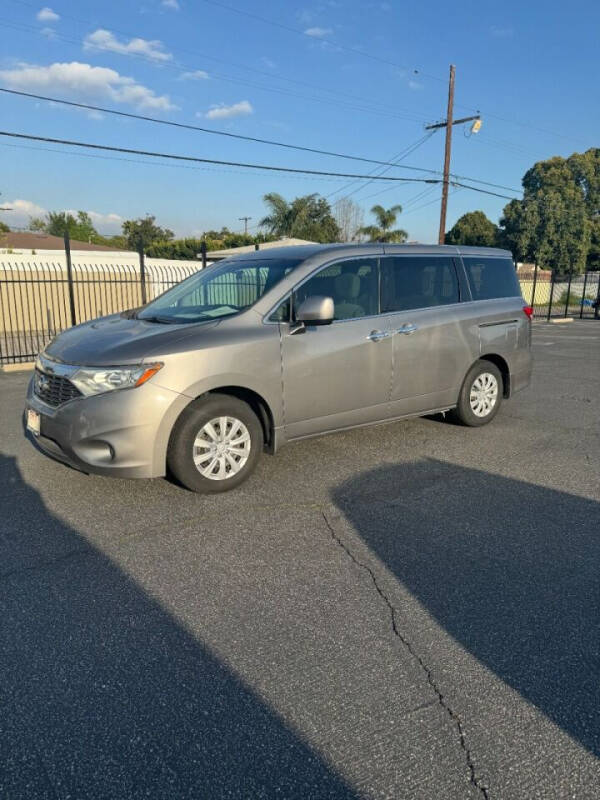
(161, 320)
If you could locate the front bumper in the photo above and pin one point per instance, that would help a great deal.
(123, 433)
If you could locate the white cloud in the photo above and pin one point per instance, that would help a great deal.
(318, 33)
(48, 33)
(105, 40)
(196, 75)
(83, 81)
(47, 15)
(104, 223)
(222, 111)
(414, 85)
(23, 210)
(173, 4)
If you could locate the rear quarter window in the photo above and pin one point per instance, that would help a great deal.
(490, 278)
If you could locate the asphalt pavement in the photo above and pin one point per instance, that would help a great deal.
(405, 611)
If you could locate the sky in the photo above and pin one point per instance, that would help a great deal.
(359, 78)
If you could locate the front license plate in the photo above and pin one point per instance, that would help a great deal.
(33, 421)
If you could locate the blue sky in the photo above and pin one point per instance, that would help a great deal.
(530, 68)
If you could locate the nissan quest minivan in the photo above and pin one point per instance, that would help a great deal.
(277, 345)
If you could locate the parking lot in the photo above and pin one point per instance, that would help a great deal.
(406, 611)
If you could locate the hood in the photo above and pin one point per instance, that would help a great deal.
(114, 340)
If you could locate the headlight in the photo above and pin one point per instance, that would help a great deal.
(95, 380)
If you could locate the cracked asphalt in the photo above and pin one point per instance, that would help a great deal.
(407, 611)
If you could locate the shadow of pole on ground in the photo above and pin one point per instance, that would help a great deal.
(507, 568)
(105, 695)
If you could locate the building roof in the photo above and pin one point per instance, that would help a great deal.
(28, 240)
(237, 251)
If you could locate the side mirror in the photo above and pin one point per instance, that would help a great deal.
(316, 310)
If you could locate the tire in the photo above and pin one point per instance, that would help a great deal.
(197, 436)
(480, 396)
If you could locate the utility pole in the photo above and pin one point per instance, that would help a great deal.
(245, 221)
(448, 123)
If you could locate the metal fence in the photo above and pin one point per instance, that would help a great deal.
(41, 296)
(571, 296)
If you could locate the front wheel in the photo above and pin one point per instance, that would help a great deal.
(215, 444)
(480, 396)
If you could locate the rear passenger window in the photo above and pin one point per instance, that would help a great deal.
(492, 277)
(409, 282)
(352, 284)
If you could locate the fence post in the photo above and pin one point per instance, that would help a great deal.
(535, 273)
(568, 293)
(142, 272)
(551, 296)
(67, 242)
(203, 253)
(583, 294)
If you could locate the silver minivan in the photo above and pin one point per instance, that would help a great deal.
(276, 345)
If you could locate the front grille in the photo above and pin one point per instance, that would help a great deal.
(54, 389)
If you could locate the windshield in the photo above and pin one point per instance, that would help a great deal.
(218, 291)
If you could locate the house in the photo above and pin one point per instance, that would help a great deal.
(219, 255)
(28, 242)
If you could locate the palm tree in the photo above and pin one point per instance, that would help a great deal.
(281, 219)
(382, 231)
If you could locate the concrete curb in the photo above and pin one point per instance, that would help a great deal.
(26, 366)
(561, 320)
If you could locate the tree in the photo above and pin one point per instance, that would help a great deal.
(473, 229)
(37, 224)
(557, 223)
(4, 228)
(56, 223)
(349, 217)
(144, 231)
(307, 217)
(382, 232)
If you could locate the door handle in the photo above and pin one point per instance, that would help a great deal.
(375, 336)
(407, 329)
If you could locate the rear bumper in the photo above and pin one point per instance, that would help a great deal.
(122, 434)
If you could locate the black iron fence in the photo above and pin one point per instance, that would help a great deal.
(567, 296)
(40, 296)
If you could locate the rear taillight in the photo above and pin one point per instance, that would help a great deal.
(528, 311)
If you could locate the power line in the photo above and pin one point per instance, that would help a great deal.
(395, 161)
(384, 171)
(177, 157)
(271, 142)
(189, 126)
(268, 167)
(146, 163)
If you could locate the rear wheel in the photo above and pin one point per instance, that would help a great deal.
(480, 396)
(215, 444)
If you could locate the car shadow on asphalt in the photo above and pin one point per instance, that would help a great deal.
(105, 694)
(507, 568)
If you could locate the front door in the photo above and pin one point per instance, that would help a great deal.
(338, 375)
(430, 355)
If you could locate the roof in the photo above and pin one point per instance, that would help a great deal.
(302, 252)
(250, 248)
(28, 240)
